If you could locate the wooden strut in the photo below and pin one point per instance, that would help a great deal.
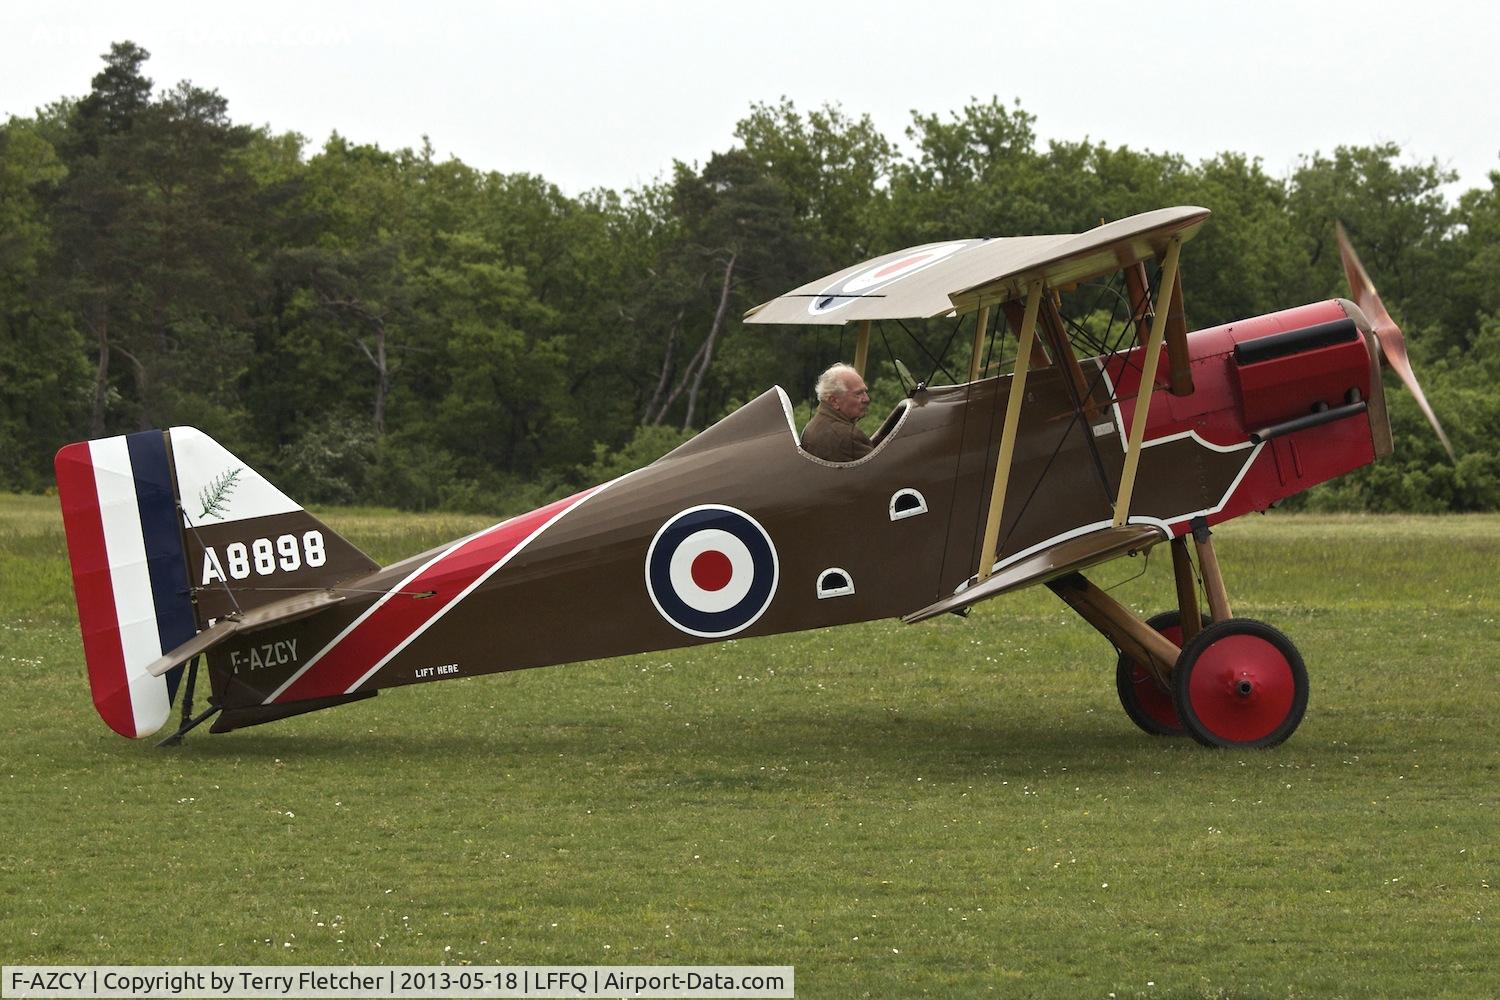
(1137, 293)
(1213, 578)
(1187, 590)
(1143, 394)
(1181, 362)
(862, 348)
(980, 327)
(1013, 402)
(1015, 317)
(1119, 625)
(1056, 334)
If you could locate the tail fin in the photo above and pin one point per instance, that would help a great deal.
(167, 531)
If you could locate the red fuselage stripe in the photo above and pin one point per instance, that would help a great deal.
(398, 617)
(94, 588)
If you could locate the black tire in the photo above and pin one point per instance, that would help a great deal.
(1240, 683)
(1147, 705)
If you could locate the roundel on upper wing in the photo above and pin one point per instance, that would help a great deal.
(869, 281)
(711, 570)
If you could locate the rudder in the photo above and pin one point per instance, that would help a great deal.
(129, 572)
(168, 531)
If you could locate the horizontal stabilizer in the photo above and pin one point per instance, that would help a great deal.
(200, 643)
(221, 631)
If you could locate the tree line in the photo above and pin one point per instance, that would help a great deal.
(392, 327)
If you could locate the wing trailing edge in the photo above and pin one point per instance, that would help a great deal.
(1056, 560)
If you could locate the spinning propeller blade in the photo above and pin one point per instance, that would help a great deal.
(1392, 340)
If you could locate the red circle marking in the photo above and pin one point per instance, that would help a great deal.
(712, 569)
(902, 263)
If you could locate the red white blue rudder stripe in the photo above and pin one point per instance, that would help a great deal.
(711, 571)
(129, 572)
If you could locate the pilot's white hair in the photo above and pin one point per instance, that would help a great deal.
(834, 382)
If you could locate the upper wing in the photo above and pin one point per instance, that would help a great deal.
(908, 284)
(937, 278)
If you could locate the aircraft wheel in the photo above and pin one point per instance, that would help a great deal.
(1240, 683)
(1143, 699)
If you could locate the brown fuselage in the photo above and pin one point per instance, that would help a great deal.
(572, 582)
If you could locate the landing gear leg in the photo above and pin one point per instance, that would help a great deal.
(1213, 579)
(1118, 624)
(1187, 590)
(189, 721)
(1148, 649)
(1146, 699)
(1232, 682)
(1238, 682)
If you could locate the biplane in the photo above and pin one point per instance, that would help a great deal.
(182, 555)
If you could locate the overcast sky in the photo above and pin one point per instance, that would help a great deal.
(608, 94)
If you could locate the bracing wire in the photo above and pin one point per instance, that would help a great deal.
(1145, 565)
(937, 362)
(1113, 345)
(892, 355)
(957, 323)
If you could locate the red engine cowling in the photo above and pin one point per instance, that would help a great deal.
(1303, 383)
(1306, 383)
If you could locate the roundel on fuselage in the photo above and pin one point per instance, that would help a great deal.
(711, 570)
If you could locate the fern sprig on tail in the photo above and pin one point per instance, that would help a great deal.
(215, 496)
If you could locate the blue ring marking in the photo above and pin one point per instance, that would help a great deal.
(823, 302)
(762, 559)
(166, 563)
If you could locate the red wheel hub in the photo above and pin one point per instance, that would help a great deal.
(1242, 688)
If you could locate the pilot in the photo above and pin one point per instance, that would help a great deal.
(833, 434)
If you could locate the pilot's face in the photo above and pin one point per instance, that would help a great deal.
(854, 401)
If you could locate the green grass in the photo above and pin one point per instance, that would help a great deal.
(951, 809)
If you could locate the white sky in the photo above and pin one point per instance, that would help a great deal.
(608, 94)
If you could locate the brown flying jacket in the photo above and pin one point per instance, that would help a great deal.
(833, 437)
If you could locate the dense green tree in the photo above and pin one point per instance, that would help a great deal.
(96, 220)
(1395, 212)
(1249, 259)
(151, 247)
(976, 173)
(739, 241)
(352, 320)
(391, 326)
(1471, 263)
(834, 169)
(507, 394)
(592, 263)
(44, 376)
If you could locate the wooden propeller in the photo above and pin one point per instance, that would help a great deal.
(1392, 340)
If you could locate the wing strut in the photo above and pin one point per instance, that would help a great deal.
(981, 326)
(1176, 337)
(1013, 401)
(862, 347)
(1148, 380)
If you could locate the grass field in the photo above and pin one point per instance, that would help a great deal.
(951, 809)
